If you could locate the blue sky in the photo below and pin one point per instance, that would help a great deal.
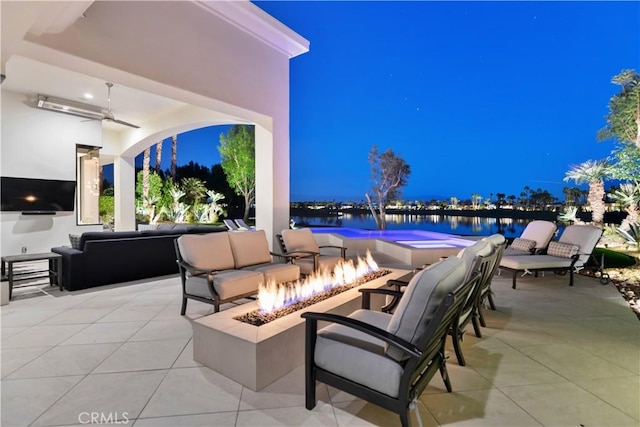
(478, 97)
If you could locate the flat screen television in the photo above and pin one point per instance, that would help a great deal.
(30, 195)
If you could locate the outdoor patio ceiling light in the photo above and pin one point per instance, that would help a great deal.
(66, 106)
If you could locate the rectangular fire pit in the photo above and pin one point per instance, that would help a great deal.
(256, 356)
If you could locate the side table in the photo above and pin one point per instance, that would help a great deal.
(53, 272)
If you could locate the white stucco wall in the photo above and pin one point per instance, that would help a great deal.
(39, 144)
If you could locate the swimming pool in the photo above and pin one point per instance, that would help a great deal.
(419, 239)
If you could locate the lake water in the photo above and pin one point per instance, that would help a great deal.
(460, 225)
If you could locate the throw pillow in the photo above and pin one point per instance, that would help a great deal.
(524, 245)
(562, 250)
(75, 240)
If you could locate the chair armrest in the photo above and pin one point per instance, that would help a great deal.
(366, 297)
(287, 257)
(343, 250)
(195, 270)
(381, 334)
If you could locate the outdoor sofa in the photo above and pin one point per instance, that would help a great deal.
(102, 258)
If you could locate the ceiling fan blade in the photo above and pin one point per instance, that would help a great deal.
(120, 122)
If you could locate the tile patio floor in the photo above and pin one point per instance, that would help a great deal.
(551, 355)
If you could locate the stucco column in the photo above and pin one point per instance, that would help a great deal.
(124, 182)
(272, 181)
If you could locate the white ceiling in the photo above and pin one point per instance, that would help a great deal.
(131, 105)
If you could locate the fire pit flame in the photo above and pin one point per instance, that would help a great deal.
(272, 297)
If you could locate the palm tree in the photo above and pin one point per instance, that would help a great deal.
(174, 155)
(145, 173)
(158, 157)
(629, 197)
(593, 173)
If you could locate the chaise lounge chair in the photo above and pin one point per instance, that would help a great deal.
(231, 225)
(243, 225)
(535, 238)
(570, 254)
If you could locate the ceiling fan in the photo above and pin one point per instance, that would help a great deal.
(108, 115)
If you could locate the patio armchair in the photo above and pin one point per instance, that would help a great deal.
(534, 238)
(389, 359)
(311, 258)
(569, 253)
(500, 244)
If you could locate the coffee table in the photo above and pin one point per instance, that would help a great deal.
(53, 271)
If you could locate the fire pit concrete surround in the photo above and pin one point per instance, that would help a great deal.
(256, 356)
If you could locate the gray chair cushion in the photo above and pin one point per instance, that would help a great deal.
(227, 283)
(277, 272)
(358, 356)
(75, 240)
(207, 251)
(325, 262)
(250, 248)
(424, 293)
(300, 240)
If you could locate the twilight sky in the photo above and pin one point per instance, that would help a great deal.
(477, 97)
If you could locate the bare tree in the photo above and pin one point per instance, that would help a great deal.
(390, 174)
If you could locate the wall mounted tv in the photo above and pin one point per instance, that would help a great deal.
(36, 196)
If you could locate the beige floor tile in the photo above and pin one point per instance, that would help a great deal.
(321, 415)
(109, 394)
(220, 419)
(622, 393)
(185, 360)
(361, 413)
(14, 358)
(77, 315)
(288, 391)
(66, 360)
(624, 353)
(176, 328)
(8, 332)
(142, 313)
(24, 400)
(142, 355)
(191, 391)
(477, 408)
(105, 333)
(573, 363)
(27, 317)
(462, 378)
(43, 335)
(566, 404)
(507, 366)
(150, 299)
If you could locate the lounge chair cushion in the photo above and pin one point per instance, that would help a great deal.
(250, 248)
(227, 283)
(534, 262)
(207, 251)
(524, 245)
(300, 240)
(562, 250)
(540, 231)
(358, 356)
(423, 294)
